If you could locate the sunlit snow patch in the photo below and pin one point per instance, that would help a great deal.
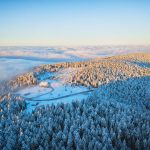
(44, 84)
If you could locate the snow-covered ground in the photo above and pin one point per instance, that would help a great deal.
(57, 92)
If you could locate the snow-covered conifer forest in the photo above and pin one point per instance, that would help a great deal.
(115, 115)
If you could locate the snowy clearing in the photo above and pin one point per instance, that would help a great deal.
(57, 92)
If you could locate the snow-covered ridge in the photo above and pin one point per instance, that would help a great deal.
(100, 71)
(89, 73)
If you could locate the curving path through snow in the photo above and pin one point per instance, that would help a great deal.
(57, 92)
(57, 98)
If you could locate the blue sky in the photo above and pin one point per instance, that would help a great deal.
(74, 22)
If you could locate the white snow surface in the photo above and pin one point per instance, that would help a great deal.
(44, 84)
(57, 92)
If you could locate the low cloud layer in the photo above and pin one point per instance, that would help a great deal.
(28, 57)
(70, 52)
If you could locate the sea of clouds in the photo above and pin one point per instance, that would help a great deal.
(17, 60)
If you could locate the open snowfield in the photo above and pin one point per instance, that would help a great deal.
(57, 92)
(51, 91)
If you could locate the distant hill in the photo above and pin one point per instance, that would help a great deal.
(102, 70)
(94, 72)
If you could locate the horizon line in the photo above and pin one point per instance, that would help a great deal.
(92, 45)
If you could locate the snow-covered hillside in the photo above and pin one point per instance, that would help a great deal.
(133, 91)
(103, 121)
(45, 110)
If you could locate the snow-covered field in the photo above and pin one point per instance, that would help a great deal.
(57, 92)
(51, 91)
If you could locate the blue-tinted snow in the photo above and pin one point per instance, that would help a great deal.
(57, 92)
